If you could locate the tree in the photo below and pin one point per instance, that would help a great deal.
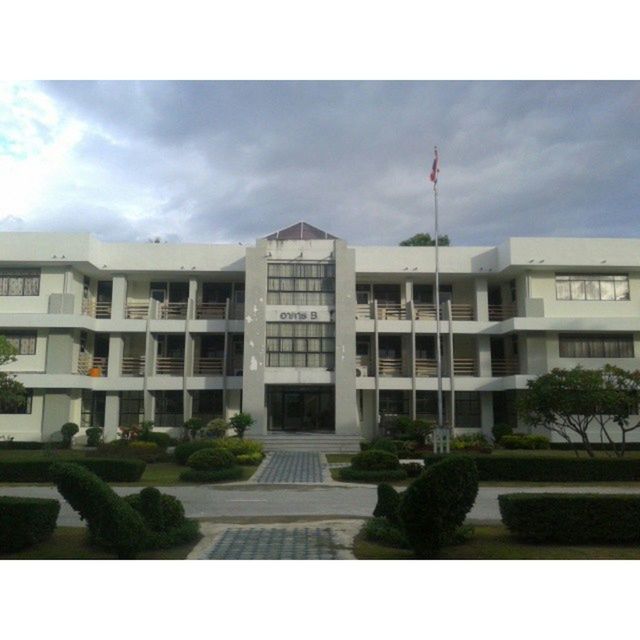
(240, 423)
(425, 240)
(13, 395)
(570, 401)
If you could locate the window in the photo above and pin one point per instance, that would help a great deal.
(19, 282)
(393, 402)
(300, 344)
(304, 283)
(24, 342)
(24, 409)
(467, 410)
(363, 294)
(592, 287)
(596, 346)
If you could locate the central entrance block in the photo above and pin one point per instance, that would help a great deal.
(301, 408)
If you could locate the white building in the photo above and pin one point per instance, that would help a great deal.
(314, 338)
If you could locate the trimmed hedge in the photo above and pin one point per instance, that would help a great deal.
(39, 470)
(576, 518)
(551, 469)
(26, 521)
(211, 460)
(215, 475)
(349, 474)
(388, 503)
(521, 441)
(383, 532)
(185, 450)
(375, 460)
(27, 445)
(163, 440)
(250, 459)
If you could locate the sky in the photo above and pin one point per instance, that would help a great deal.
(229, 162)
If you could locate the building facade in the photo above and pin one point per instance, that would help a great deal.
(302, 331)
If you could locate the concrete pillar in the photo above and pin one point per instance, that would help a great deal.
(486, 412)
(116, 349)
(483, 350)
(59, 355)
(150, 350)
(118, 297)
(111, 415)
(482, 299)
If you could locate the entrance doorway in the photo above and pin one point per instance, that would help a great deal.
(297, 408)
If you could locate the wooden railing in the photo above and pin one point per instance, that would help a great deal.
(459, 312)
(505, 366)
(499, 312)
(390, 367)
(391, 311)
(169, 366)
(172, 310)
(363, 311)
(87, 362)
(96, 309)
(464, 366)
(426, 367)
(137, 310)
(133, 366)
(210, 310)
(208, 366)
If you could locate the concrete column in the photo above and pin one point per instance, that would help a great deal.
(118, 297)
(116, 349)
(482, 299)
(346, 416)
(407, 291)
(149, 362)
(376, 364)
(412, 354)
(483, 350)
(111, 415)
(254, 361)
(486, 412)
(189, 354)
(59, 355)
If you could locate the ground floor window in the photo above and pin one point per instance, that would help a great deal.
(169, 409)
(22, 408)
(131, 408)
(300, 408)
(207, 404)
(92, 408)
(394, 403)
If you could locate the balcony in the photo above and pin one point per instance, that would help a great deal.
(211, 310)
(390, 367)
(172, 310)
(459, 312)
(426, 368)
(94, 366)
(133, 366)
(498, 312)
(166, 366)
(505, 367)
(391, 311)
(209, 366)
(137, 310)
(464, 367)
(96, 309)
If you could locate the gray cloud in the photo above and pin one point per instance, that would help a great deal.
(232, 161)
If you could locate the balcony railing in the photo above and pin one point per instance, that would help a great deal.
(92, 365)
(208, 366)
(137, 310)
(426, 367)
(459, 312)
(505, 366)
(464, 366)
(363, 311)
(390, 367)
(210, 310)
(172, 310)
(133, 366)
(96, 309)
(498, 312)
(391, 311)
(169, 366)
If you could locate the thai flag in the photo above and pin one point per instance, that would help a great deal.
(435, 169)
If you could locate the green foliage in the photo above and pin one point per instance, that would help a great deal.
(425, 240)
(68, 430)
(211, 459)
(471, 442)
(26, 521)
(193, 426)
(552, 469)
(13, 395)
(217, 475)
(240, 423)
(163, 440)
(374, 460)
(385, 444)
(147, 451)
(382, 531)
(500, 430)
(518, 441)
(436, 504)
(412, 469)
(39, 469)
(572, 518)
(112, 522)
(349, 474)
(388, 503)
(94, 436)
(160, 512)
(249, 459)
(217, 428)
(241, 447)
(183, 451)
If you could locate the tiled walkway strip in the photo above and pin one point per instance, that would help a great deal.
(274, 544)
(291, 467)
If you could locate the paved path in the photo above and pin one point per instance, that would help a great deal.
(291, 467)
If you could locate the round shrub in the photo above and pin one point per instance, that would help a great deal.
(26, 521)
(375, 460)
(163, 440)
(388, 503)
(161, 512)
(241, 447)
(385, 444)
(94, 436)
(183, 451)
(147, 451)
(217, 428)
(382, 531)
(68, 430)
(211, 460)
(413, 469)
(249, 459)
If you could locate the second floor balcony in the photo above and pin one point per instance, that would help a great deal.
(170, 366)
(90, 365)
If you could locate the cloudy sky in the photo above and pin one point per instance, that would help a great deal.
(232, 161)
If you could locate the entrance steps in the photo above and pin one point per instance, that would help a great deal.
(304, 441)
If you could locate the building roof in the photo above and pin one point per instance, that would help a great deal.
(301, 231)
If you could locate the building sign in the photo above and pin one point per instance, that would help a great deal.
(281, 313)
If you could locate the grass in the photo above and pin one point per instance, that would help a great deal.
(70, 543)
(496, 543)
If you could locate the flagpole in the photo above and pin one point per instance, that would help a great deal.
(438, 337)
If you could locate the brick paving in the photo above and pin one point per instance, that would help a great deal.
(261, 543)
(284, 467)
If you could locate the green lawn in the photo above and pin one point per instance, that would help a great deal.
(496, 543)
(70, 543)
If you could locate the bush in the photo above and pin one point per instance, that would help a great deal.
(193, 426)
(240, 423)
(217, 428)
(94, 436)
(385, 444)
(382, 531)
(26, 521)
(552, 469)
(39, 470)
(163, 440)
(112, 523)
(500, 430)
(217, 475)
(184, 450)
(211, 460)
(388, 503)
(349, 474)
(17, 445)
(159, 511)
(412, 469)
(147, 451)
(572, 518)
(68, 430)
(241, 447)
(249, 459)
(471, 442)
(517, 441)
(436, 504)
(374, 460)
